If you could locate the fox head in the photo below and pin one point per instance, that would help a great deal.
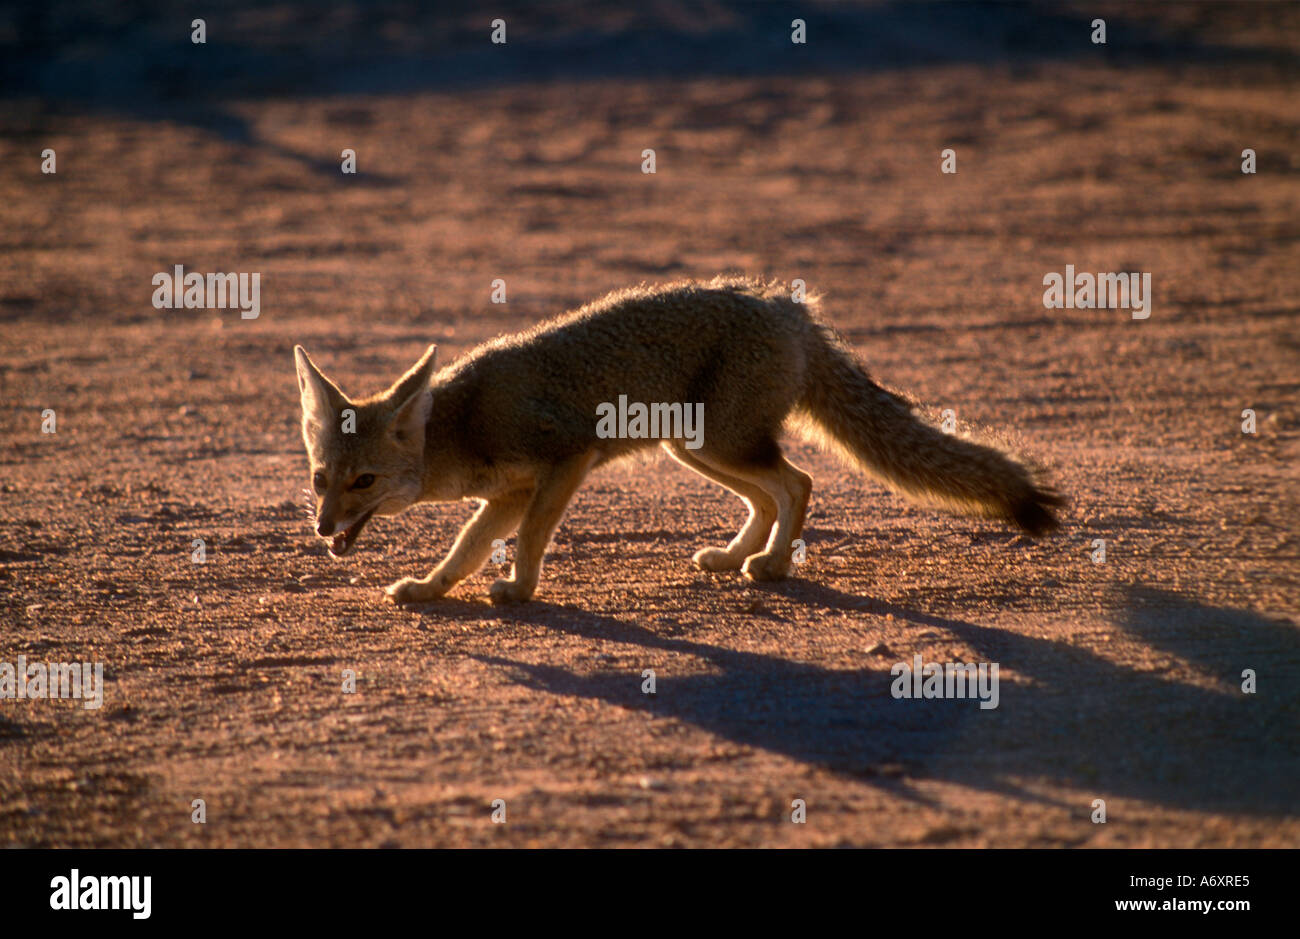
(367, 456)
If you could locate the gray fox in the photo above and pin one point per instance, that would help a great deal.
(515, 423)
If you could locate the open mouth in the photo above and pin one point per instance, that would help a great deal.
(342, 542)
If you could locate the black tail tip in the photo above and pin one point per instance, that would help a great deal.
(1034, 514)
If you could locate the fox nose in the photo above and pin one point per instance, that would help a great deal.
(324, 527)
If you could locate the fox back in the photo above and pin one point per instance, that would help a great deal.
(517, 422)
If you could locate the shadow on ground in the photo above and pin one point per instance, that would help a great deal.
(139, 61)
(1067, 716)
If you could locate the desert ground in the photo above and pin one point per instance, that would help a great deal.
(1120, 680)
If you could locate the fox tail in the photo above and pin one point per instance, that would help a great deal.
(877, 431)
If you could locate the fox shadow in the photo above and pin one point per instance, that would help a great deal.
(1065, 714)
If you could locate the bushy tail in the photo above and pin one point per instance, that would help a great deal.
(877, 431)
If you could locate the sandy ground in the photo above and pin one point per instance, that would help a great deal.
(1119, 680)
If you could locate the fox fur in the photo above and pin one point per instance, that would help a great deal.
(514, 423)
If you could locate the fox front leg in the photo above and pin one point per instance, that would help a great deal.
(495, 519)
(549, 500)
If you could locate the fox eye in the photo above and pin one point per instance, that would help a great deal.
(363, 481)
(319, 482)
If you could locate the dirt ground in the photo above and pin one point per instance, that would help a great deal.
(1120, 680)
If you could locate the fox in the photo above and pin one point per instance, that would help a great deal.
(514, 424)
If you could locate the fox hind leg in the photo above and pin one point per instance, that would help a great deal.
(777, 492)
(790, 488)
(753, 535)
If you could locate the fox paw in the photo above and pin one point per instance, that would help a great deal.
(715, 559)
(413, 590)
(766, 567)
(509, 591)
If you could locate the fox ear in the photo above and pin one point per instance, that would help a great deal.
(321, 398)
(411, 398)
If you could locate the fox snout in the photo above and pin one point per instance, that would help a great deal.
(343, 537)
(329, 513)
